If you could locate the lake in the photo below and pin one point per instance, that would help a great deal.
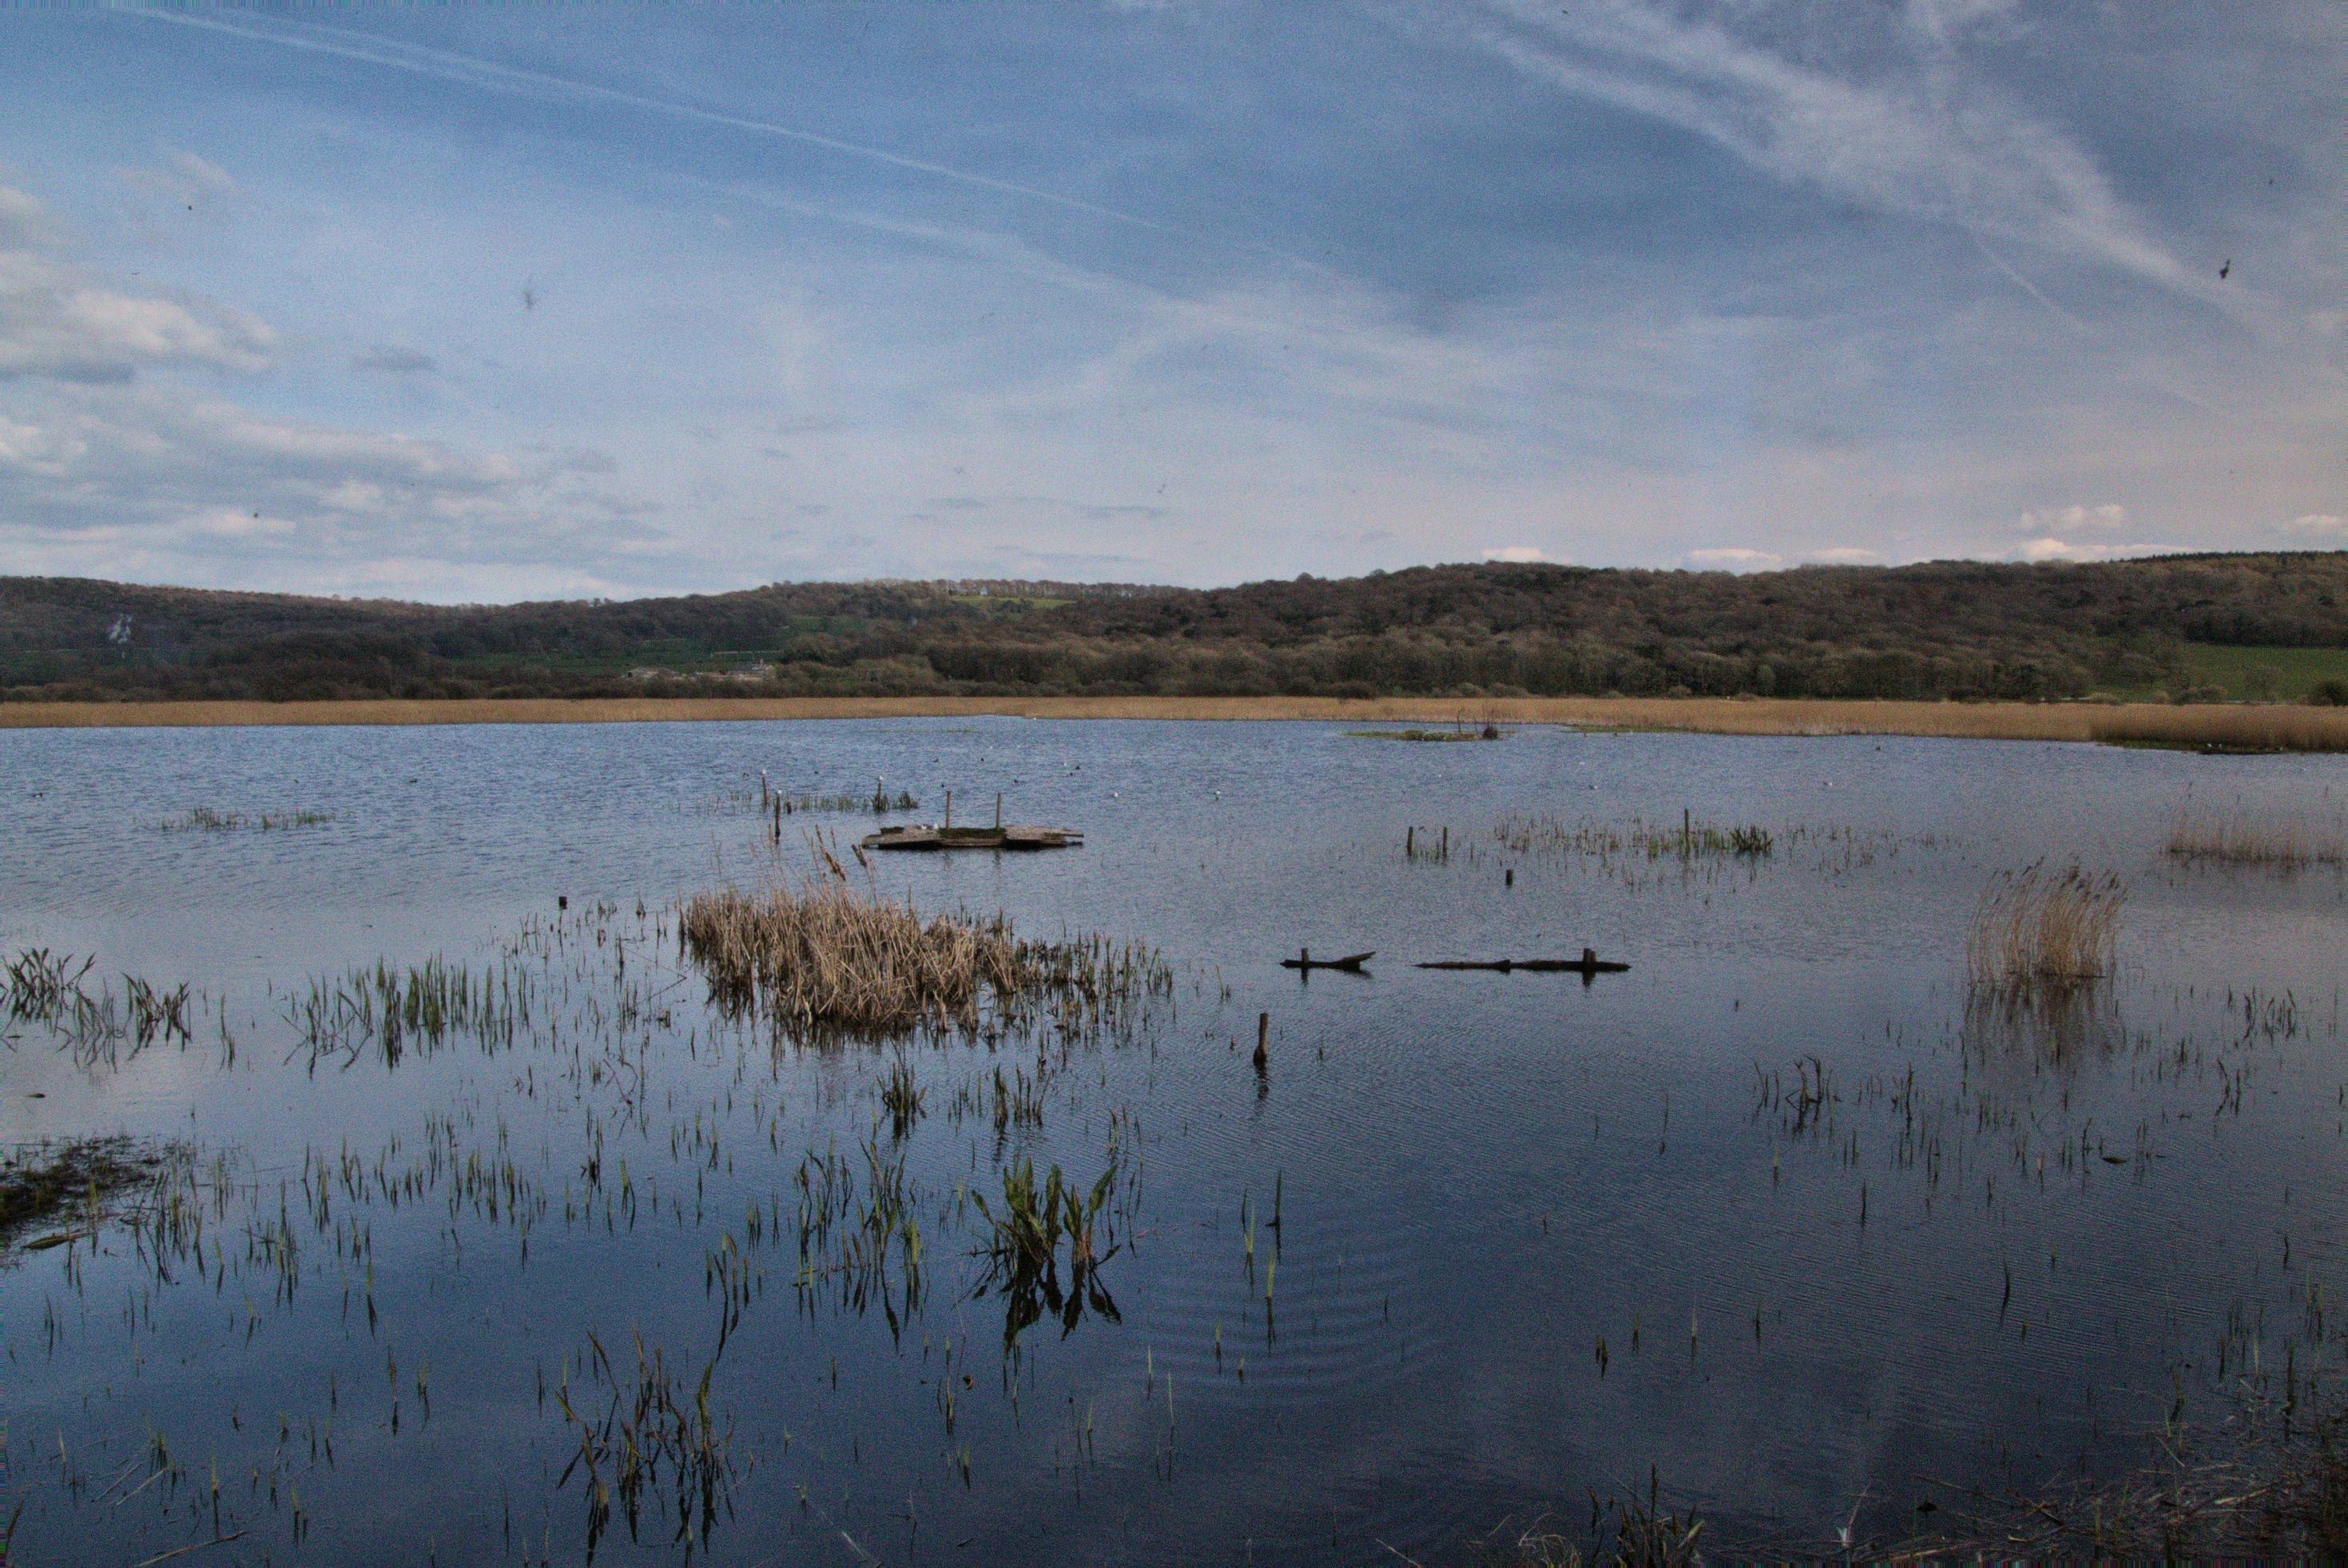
(1784, 1227)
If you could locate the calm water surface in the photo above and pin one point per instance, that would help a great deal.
(1535, 1238)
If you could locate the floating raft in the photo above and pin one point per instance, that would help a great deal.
(1586, 965)
(1352, 963)
(924, 837)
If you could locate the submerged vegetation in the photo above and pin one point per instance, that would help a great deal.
(205, 820)
(51, 1193)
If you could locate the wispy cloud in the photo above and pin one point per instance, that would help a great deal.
(1918, 135)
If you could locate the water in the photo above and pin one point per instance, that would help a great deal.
(1992, 1252)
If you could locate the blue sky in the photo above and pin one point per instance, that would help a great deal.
(488, 304)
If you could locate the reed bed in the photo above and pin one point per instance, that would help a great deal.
(2241, 840)
(2043, 932)
(2263, 728)
(827, 959)
(2211, 726)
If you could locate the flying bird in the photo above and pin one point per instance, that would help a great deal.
(2227, 269)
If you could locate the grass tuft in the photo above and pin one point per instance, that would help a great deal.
(2041, 933)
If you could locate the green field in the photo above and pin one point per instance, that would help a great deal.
(2219, 665)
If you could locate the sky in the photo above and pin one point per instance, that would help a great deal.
(488, 304)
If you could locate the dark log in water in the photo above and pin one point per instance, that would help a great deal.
(1588, 964)
(1352, 962)
(1011, 838)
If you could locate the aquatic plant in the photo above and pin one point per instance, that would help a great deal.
(655, 1427)
(829, 958)
(1688, 840)
(2043, 932)
(1034, 1224)
(2240, 841)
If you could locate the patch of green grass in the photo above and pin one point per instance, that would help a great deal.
(2294, 671)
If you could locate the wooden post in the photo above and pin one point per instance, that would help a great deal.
(949, 822)
(778, 820)
(1687, 830)
(998, 810)
(1410, 843)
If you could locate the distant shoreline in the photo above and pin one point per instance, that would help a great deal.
(2219, 724)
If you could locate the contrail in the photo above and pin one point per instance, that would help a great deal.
(467, 71)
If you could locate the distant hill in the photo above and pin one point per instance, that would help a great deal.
(1939, 630)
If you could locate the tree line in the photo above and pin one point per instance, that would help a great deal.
(1937, 630)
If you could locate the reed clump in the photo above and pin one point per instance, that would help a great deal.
(2043, 932)
(2241, 840)
(1036, 1222)
(828, 958)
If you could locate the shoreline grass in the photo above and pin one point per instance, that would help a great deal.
(2254, 726)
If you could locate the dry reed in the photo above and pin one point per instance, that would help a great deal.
(2041, 933)
(2239, 840)
(2264, 727)
(830, 959)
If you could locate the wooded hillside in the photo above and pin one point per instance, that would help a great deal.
(1945, 629)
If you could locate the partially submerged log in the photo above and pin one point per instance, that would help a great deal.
(1586, 965)
(1352, 963)
(924, 837)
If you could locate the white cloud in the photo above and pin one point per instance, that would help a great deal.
(1731, 560)
(1519, 553)
(2074, 518)
(58, 320)
(1845, 555)
(2320, 524)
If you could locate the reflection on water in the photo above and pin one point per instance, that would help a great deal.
(425, 1197)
